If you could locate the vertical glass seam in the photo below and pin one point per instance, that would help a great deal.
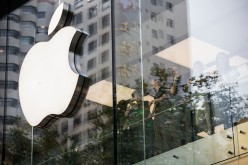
(142, 81)
(112, 13)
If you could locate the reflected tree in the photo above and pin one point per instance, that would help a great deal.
(19, 146)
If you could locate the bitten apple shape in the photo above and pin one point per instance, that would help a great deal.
(50, 87)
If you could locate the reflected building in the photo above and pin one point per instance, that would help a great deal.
(20, 30)
(92, 17)
(28, 25)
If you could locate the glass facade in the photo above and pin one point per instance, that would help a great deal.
(175, 93)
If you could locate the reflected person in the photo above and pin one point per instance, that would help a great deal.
(134, 127)
(162, 117)
(201, 100)
(177, 96)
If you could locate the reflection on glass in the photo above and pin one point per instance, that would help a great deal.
(181, 84)
(192, 85)
(88, 136)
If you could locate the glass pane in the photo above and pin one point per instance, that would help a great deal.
(192, 80)
(15, 132)
(85, 138)
(129, 80)
(3, 79)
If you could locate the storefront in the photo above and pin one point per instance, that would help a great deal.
(168, 83)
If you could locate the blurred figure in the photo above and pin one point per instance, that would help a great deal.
(201, 100)
(134, 129)
(180, 123)
(162, 117)
(136, 112)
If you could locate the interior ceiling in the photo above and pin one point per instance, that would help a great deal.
(8, 6)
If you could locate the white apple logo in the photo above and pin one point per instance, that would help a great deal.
(50, 86)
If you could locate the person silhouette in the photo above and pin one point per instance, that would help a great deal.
(201, 101)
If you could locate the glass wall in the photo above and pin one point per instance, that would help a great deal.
(177, 92)
(183, 67)
(85, 138)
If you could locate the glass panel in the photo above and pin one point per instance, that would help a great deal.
(85, 138)
(15, 133)
(131, 110)
(192, 78)
(222, 43)
(3, 55)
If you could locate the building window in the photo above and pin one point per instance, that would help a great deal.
(9, 101)
(10, 67)
(77, 138)
(8, 84)
(93, 78)
(42, 30)
(27, 24)
(41, 15)
(10, 120)
(77, 121)
(27, 40)
(105, 4)
(3, 33)
(170, 39)
(170, 23)
(92, 12)
(105, 38)
(64, 127)
(29, 9)
(13, 50)
(78, 3)
(169, 6)
(154, 33)
(105, 21)
(11, 33)
(154, 50)
(92, 28)
(154, 2)
(105, 56)
(105, 73)
(92, 46)
(78, 18)
(91, 64)
(154, 16)
(14, 18)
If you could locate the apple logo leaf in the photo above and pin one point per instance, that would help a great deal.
(50, 85)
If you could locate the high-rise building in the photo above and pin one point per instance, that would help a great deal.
(20, 30)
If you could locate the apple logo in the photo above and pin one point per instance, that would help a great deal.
(50, 85)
